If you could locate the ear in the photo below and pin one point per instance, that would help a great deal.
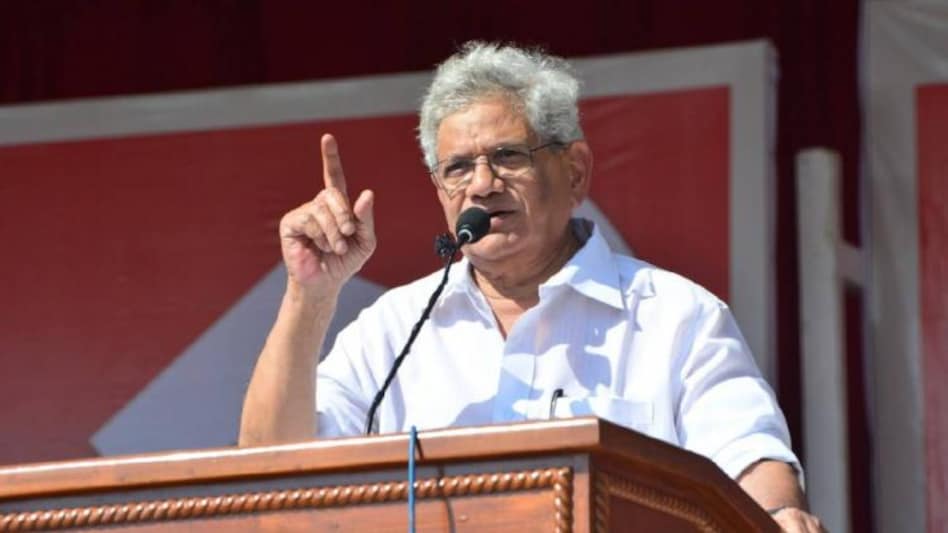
(580, 161)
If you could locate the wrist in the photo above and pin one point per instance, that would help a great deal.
(309, 302)
(299, 293)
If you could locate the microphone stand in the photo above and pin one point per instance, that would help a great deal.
(446, 248)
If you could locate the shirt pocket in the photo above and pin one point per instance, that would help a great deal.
(633, 414)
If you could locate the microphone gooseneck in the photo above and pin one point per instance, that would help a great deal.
(472, 225)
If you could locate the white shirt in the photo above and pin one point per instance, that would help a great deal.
(624, 340)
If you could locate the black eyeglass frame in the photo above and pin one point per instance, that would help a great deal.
(466, 181)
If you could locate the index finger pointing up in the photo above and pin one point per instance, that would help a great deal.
(333, 176)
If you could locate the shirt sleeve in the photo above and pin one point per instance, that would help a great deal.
(727, 411)
(340, 408)
(363, 353)
(345, 382)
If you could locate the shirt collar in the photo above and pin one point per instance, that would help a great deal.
(592, 271)
(460, 282)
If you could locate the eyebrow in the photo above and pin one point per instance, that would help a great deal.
(493, 148)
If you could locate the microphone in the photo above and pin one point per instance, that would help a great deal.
(472, 225)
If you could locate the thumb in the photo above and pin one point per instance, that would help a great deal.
(363, 212)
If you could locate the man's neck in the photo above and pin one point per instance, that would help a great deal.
(518, 286)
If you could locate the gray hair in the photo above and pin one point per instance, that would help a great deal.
(539, 84)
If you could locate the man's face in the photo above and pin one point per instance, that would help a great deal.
(529, 213)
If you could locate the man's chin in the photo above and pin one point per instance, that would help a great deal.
(493, 247)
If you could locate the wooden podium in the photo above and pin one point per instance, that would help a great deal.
(581, 474)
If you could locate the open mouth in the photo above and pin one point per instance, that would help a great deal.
(500, 213)
(500, 218)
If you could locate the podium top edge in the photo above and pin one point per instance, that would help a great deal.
(476, 443)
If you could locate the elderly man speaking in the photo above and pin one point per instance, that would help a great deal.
(539, 307)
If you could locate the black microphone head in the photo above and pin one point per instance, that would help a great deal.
(472, 225)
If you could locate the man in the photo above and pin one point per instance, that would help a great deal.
(539, 306)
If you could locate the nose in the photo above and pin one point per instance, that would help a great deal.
(484, 181)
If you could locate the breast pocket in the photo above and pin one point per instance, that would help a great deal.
(633, 414)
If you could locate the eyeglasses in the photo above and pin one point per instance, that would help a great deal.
(454, 174)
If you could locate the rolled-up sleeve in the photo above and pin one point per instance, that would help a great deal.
(338, 410)
(727, 411)
(343, 382)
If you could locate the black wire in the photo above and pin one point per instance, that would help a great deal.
(446, 248)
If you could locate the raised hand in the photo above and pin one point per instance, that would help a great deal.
(326, 241)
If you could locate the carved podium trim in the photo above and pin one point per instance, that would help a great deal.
(609, 485)
(559, 479)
